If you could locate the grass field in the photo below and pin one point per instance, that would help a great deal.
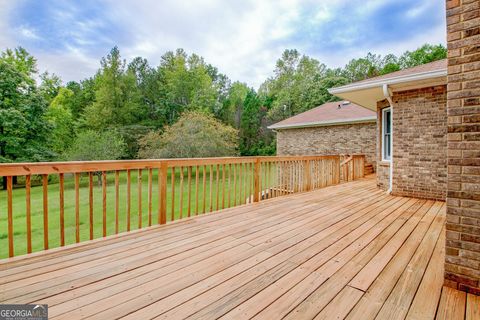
(19, 205)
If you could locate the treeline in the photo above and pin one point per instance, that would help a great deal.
(183, 107)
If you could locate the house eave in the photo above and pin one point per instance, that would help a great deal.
(323, 123)
(367, 94)
(390, 81)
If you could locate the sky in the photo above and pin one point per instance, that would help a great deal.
(242, 38)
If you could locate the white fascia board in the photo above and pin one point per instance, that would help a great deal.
(323, 123)
(389, 81)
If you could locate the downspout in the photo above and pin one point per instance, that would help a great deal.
(388, 95)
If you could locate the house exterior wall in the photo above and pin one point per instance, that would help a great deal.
(419, 144)
(462, 260)
(329, 140)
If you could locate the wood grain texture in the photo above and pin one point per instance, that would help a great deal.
(290, 257)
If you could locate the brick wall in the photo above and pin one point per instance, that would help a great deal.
(419, 144)
(329, 140)
(462, 261)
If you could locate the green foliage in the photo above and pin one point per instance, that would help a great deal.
(188, 84)
(373, 65)
(50, 86)
(233, 105)
(255, 139)
(183, 103)
(23, 126)
(116, 96)
(96, 145)
(59, 116)
(292, 86)
(195, 134)
(425, 54)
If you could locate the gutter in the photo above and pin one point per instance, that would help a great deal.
(323, 123)
(388, 95)
(389, 81)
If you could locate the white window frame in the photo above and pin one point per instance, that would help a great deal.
(384, 121)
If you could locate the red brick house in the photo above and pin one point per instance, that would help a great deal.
(428, 137)
(338, 127)
(411, 130)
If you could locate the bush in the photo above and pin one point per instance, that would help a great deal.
(194, 135)
(93, 145)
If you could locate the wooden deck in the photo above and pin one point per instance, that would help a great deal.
(347, 251)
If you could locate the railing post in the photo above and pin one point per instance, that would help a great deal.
(353, 167)
(163, 191)
(256, 185)
(10, 215)
(308, 176)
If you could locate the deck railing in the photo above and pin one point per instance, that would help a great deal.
(352, 167)
(59, 203)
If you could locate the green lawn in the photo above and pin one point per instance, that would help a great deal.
(19, 214)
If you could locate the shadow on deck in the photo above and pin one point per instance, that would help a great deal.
(347, 251)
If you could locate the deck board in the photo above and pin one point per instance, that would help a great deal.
(339, 252)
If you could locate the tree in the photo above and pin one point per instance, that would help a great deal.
(250, 124)
(363, 68)
(195, 134)
(60, 118)
(50, 86)
(83, 96)
(188, 84)
(291, 87)
(96, 145)
(116, 96)
(232, 110)
(23, 127)
(425, 54)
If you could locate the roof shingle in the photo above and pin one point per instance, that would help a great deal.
(328, 113)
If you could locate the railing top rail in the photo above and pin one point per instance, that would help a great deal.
(27, 168)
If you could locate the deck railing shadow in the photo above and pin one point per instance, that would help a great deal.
(54, 204)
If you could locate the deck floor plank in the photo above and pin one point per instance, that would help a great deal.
(345, 251)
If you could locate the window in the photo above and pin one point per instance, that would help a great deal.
(386, 134)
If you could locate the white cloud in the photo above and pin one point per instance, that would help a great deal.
(242, 38)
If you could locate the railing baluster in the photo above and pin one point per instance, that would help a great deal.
(149, 197)
(162, 190)
(104, 203)
(223, 186)
(234, 184)
(11, 251)
(28, 208)
(241, 182)
(181, 192)
(172, 213)
(139, 189)
(77, 207)
(45, 210)
(197, 176)
(62, 210)
(117, 198)
(129, 203)
(229, 187)
(90, 202)
(189, 182)
(204, 188)
(211, 188)
(256, 180)
(217, 190)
